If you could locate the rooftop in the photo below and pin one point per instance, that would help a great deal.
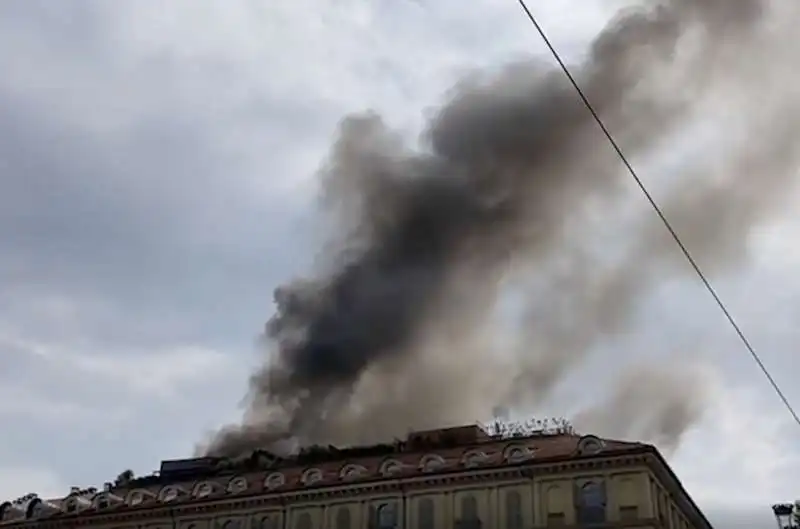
(434, 451)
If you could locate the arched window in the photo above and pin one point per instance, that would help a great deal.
(391, 467)
(469, 507)
(232, 524)
(426, 514)
(303, 521)
(267, 522)
(514, 519)
(387, 516)
(343, 518)
(311, 476)
(592, 503)
(469, 513)
(275, 480)
(431, 463)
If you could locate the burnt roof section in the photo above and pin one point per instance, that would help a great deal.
(207, 467)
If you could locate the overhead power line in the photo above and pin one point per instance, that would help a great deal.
(660, 213)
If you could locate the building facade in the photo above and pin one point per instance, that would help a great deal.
(455, 478)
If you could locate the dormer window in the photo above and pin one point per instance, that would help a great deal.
(517, 454)
(311, 476)
(237, 485)
(275, 480)
(590, 445)
(475, 459)
(168, 494)
(431, 463)
(203, 490)
(350, 472)
(135, 498)
(35, 508)
(391, 467)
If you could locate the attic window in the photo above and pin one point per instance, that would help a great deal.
(517, 454)
(590, 445)
(312, 476)
(72, 506)
(275, 480)
(353, 472)
(391, 467)
(203, 490)
(136, 498)
(237, 485)
(474, 459)
(102, 503)
(431, 463)
(36, 508)
(168, 494)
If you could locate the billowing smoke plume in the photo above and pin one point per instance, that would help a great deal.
(516, 190)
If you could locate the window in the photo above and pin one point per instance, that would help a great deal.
(387, 516)
(469, 513)
(275, 480)
(589, 445)
(203, 490)
(628, 513)
(426, 514)
(431, 463)
(591, 505)
(35, 509)
(353, 472)
(312, 476)
(391, 467)
(474, 459)
(469, 507)
(237, 485)
(169, 494)
(303, 521)
(343, 518)
(232, 524)
(514, 519)
(135, 498)
(517, 454)
(267, 522)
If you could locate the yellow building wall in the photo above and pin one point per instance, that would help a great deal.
(548, 500)
(545, 501)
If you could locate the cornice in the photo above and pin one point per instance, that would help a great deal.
(244, 505)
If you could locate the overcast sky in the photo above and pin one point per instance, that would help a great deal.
(157, 168)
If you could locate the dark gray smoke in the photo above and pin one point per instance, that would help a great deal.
(516, 188)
